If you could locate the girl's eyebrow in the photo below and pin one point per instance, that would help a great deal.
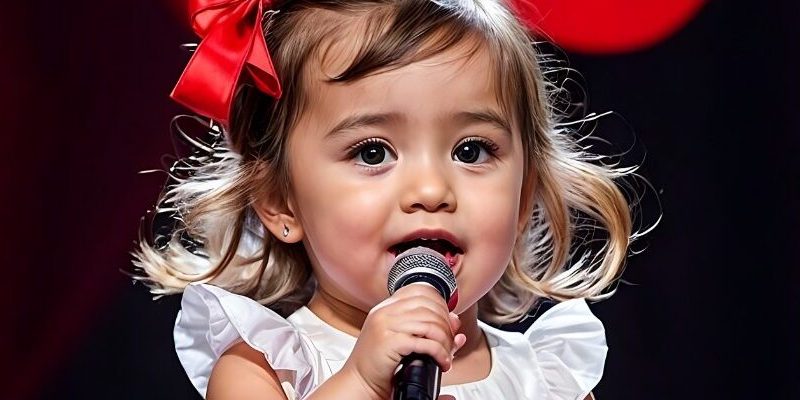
(483, 116)
(465, 118)
(356, 121)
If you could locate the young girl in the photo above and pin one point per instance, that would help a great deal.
(353, 130)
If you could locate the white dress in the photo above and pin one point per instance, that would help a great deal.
(561, 356)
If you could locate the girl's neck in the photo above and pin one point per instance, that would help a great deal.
(336, 313)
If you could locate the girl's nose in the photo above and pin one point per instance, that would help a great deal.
(428, 188)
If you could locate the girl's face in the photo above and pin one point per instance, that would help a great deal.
(423, 152)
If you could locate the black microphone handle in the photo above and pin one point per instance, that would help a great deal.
(417, 378)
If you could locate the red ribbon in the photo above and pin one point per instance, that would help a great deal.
(233, 45)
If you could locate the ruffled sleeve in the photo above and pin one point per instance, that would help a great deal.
(211, 320)
(569, 343)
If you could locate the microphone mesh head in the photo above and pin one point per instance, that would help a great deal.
(420, 260)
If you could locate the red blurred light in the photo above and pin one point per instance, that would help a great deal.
(589, 26)
(609, 26)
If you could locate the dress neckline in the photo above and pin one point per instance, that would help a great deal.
(338, 344)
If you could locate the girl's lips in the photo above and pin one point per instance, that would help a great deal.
(439, 240)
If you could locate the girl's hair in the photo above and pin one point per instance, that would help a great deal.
(219, 239)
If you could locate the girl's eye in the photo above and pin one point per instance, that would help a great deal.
(472, 151)
(372, 152)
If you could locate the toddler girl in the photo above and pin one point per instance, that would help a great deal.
(345, 132)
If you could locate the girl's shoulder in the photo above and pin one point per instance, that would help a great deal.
(212, 320)
(561, 355)
(570, 322)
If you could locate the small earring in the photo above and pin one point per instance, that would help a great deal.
(285, 231)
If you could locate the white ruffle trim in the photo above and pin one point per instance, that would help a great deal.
(570, 345)
(212, 320)
(567, 342)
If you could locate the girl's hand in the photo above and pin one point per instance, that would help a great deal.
(414, 320)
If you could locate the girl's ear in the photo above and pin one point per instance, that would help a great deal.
(280, 219)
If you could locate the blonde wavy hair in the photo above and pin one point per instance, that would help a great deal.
(217, 237)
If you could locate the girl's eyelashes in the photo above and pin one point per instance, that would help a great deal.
(371, 152)
(474, 150)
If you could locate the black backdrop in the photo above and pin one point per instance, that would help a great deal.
(711, 309)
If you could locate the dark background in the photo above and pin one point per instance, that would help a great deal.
(711, 311)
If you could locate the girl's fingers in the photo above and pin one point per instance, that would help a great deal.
(414, 293)
(426, 346)
(458, 342)
(455, 322)
(428, 330)
(418, 321)
(398, 310)
(423, 293)
(420, 314)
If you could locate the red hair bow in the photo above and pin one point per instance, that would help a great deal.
(233, 45)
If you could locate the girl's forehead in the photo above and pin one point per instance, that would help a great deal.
(443, 91)
(464, 71)
(336, 57)
(348, 47)
(341, 52)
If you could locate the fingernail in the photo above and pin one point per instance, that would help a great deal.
(462, 342)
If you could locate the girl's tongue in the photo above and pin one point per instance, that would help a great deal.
(450, 258)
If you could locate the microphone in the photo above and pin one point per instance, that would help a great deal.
(418, 377)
